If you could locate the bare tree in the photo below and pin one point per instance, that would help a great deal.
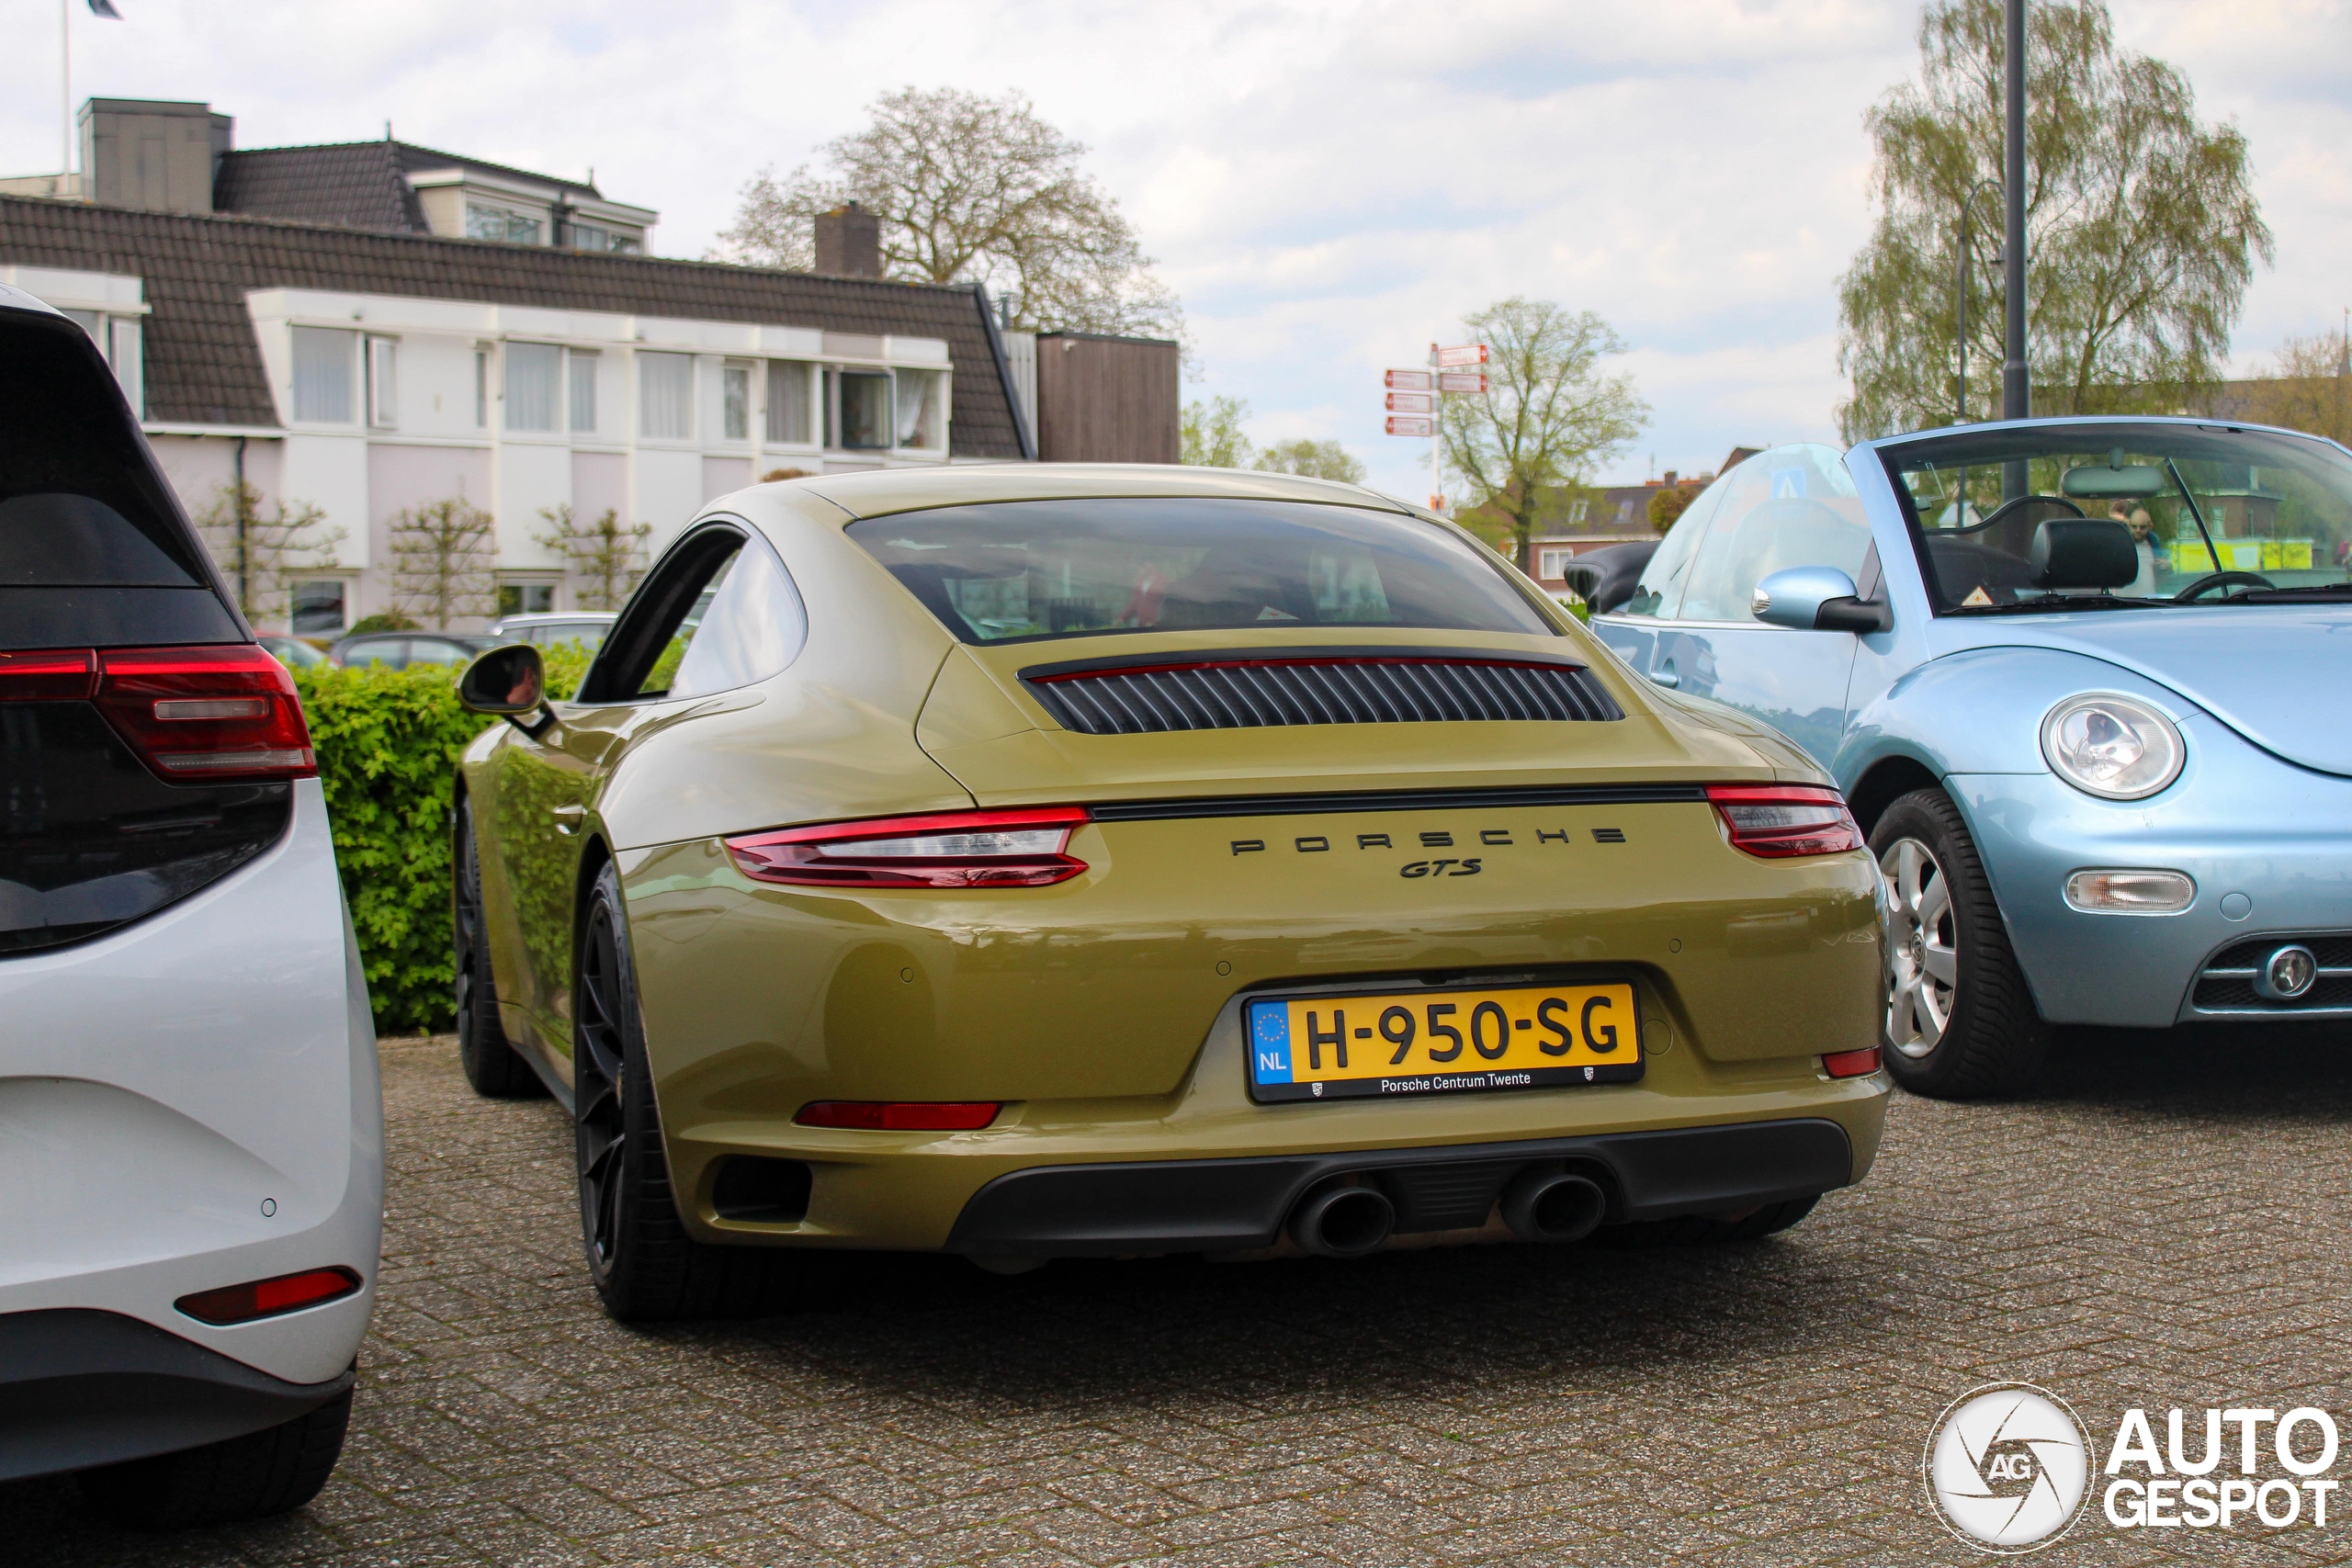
(444, 563)
(258, 551)
(1552, 416)
(969, 187)
(607, 557)
(2141, 220)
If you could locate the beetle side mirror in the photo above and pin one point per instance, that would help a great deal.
(1816, 599)
(507, 682)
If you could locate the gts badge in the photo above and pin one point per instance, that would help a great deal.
(1488, 839)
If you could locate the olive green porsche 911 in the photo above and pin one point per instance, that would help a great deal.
(1043, 861)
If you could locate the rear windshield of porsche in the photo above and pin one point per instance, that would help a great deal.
(1029, 570)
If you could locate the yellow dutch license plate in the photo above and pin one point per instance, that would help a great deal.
(1443, 1042)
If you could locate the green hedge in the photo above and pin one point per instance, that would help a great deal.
(387, 743)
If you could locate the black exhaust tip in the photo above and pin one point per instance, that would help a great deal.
(1342, 1222)
(1554, 1206)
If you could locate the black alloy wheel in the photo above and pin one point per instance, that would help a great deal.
(491, 1062)
(645, 1267)
(1958, 1020)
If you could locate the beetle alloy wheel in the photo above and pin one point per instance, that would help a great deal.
(603, 1114)
(1922, 948)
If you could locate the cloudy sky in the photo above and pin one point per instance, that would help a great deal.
(1328, 184)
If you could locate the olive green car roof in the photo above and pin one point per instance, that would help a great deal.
(880, 492)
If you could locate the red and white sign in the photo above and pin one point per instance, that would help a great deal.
(1411, 425)
(1473, 382)
(1463, 353)
(1412, 402)
(1408, 380)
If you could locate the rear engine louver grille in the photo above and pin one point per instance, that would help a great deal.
(1258, 693)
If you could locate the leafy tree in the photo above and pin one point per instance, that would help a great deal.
(444, 562)
(2309, 387)
(1670, 502)
(1316, 459)
(969, 187)
(1551, 416)
(2141, 220)
(257, 551)
(609, 558)
(1211, 435)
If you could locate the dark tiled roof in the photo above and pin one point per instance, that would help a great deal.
(359, 183)
(203, 365)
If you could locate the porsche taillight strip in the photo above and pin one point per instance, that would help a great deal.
(1250, 693)
(1785, 821)
(1395, 800)
(1023, 848)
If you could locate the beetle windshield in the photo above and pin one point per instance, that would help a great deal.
(1020, 571)
(2092, 516)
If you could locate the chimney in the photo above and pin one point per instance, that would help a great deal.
(161, 157)
(849, 243)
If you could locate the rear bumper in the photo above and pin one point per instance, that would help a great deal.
(1223, 1205)
(80, 1387)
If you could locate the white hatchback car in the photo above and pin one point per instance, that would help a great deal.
(191, 1130)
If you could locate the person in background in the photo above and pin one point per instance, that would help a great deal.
(2142, 528)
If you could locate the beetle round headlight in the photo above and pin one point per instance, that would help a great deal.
(2114, 747)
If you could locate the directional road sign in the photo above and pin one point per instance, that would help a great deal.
(1462, 381)
(1408, 380)
(1464, 354)
(1411, 425)
(1412, 402)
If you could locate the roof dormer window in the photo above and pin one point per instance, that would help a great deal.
(487, 223)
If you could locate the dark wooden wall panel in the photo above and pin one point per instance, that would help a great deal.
(1106, 399)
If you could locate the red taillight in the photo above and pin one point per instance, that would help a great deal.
(1850, 1064)
(887, 1116)
(267, 1298)
(1779, 821)
(950, 849)
(199, 713)
(58, 674)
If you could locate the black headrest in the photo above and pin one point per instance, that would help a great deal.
(2084, 552)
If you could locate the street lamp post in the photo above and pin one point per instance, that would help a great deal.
(2017, 389)
(1967, 206)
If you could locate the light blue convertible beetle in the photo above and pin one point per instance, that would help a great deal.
(2087, 684)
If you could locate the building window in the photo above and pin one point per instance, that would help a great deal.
(788, 402)
(920, 424)
(585, 362)
(383, 383)
(323, 366)
(735, 403)
(534, 385)
(866, 411)
(1552, 563)
(526, 599)
(318, 606)
(1577, 511)
(500, 224)
(482, 389)
(665, 395)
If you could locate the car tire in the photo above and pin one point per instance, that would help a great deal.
(491, 1065)
(1959, 1021)
(269, 1471)
(645, 1267)
(1704, 1230)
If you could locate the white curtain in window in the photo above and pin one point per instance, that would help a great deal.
(124, 350)
(584, 389)
(914, 405)
(323, 362)
(534, 385)
(665, 395)
(735, 401)
(383, 382)
(787, 402)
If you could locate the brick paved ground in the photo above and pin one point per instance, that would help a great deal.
(2165, 1224)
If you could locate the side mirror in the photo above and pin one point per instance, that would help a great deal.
(507, 682)
(1816, 598)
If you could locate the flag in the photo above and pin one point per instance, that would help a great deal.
(105, 8)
